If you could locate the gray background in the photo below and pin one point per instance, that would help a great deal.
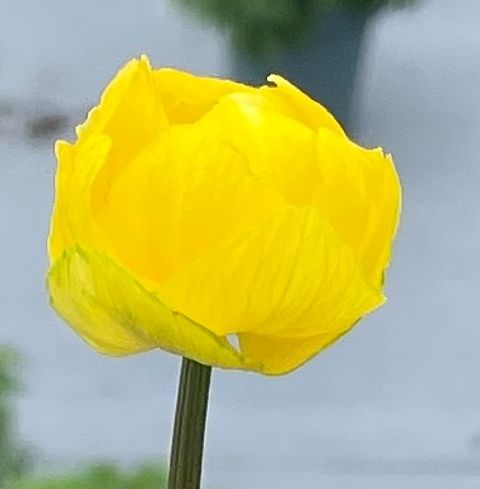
(394, 404)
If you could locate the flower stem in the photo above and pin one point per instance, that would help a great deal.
(189, 429)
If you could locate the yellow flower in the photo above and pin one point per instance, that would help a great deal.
(192, 210)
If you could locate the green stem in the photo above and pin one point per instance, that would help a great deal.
(189, 429)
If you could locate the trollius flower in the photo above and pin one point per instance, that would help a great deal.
(192, 209)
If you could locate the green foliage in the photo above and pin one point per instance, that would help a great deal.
(104, 476)
(14, 460)
(258, 26)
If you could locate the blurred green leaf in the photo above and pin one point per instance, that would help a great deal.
(102, 476)
(259, 26)
(14, 458)
(9, 364)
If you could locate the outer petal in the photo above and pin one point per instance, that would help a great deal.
(289, 277)
(359, 192)
(131, 114)
(129, 106)
(117, 316)
(77, 168)
(279, 355)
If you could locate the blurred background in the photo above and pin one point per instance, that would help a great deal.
(394, 404)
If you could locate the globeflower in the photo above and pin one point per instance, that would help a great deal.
(236, 226)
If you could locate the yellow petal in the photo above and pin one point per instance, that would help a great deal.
(179, 198)
(77, 168)
(289, 277)
(112, 312)
(131, 114)
(129, 106)
(300, 106)
(359, 193)
(280, 355)
(278, 150)
(187, 97)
